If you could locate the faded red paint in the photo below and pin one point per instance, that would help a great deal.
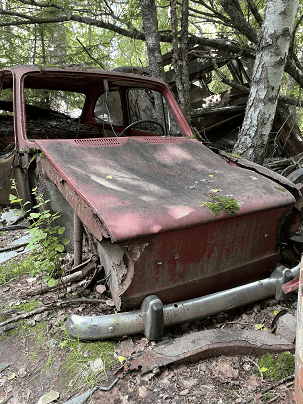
(132, 200)
(189, 249)
(146, 196)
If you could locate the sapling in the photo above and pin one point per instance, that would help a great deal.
(45, 243)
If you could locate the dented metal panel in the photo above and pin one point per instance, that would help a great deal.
(207, 258)
(143, 186)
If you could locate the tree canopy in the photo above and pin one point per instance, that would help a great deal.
(112, 33)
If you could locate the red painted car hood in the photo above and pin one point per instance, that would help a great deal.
(141, 186)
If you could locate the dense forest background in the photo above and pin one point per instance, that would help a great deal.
(109, 34)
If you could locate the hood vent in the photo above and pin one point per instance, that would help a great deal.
(108, 141)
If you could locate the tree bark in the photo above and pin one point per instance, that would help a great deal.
(268, 72)
(150, 27)
(180, 56)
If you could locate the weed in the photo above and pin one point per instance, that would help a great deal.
(276, 367)
(81, 356)
(47, 249)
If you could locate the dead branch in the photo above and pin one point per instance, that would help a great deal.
(271, 387)
(282, 381)
(95, 60)
(6, 400)
(56, 303)
(24, 315)
(257, 366)
(45, 288)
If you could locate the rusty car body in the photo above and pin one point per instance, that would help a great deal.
(113, 152)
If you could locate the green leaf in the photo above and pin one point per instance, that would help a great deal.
(52, 282)
(263, 370)
(61, 230)
(12, 376)
(34, 215)
(60, 248)
(121, 359)
(109, 177)
(66, 241)
(16, 201)
(258, 326)
(276, 312)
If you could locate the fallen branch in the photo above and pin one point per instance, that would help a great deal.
(57, 303)
(271, 387)
(45, 288)
(6, 400)
(23, 316)
(257, 366)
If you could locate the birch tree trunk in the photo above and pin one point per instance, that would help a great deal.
(267, 76)
(150, 27)
(180, 55)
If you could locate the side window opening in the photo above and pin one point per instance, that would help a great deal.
(151, 107)
(108, 109)
(7, 138)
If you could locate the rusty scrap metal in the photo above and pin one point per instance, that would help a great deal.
(291, 285)
(204, 344)
(78, 237)
(117, 325)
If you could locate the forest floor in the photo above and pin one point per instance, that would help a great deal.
(41, 357)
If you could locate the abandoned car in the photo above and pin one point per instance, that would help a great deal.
(177, 228)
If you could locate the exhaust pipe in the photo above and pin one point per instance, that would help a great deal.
(153, 316)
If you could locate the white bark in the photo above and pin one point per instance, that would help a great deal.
(267, 76)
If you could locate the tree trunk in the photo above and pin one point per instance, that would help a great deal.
(150, 27)
(181, 66)
(267, 76)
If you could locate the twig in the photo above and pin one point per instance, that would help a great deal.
(95, 60)
(47, 306)
(23, 315)
(7, 399)
(257, 366)
(45, 288)
(286, 379)
(273, 399)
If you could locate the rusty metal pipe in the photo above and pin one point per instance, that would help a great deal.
(78, 236)
(117, 325)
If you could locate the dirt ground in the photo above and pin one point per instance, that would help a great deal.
(42, 358)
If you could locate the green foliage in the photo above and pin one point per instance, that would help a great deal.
(276, 366)
(46, 245)
(222, 204)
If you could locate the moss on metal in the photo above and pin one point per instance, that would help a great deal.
(222, 204)
(280, 189)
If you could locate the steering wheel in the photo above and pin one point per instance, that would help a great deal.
(138, 122)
